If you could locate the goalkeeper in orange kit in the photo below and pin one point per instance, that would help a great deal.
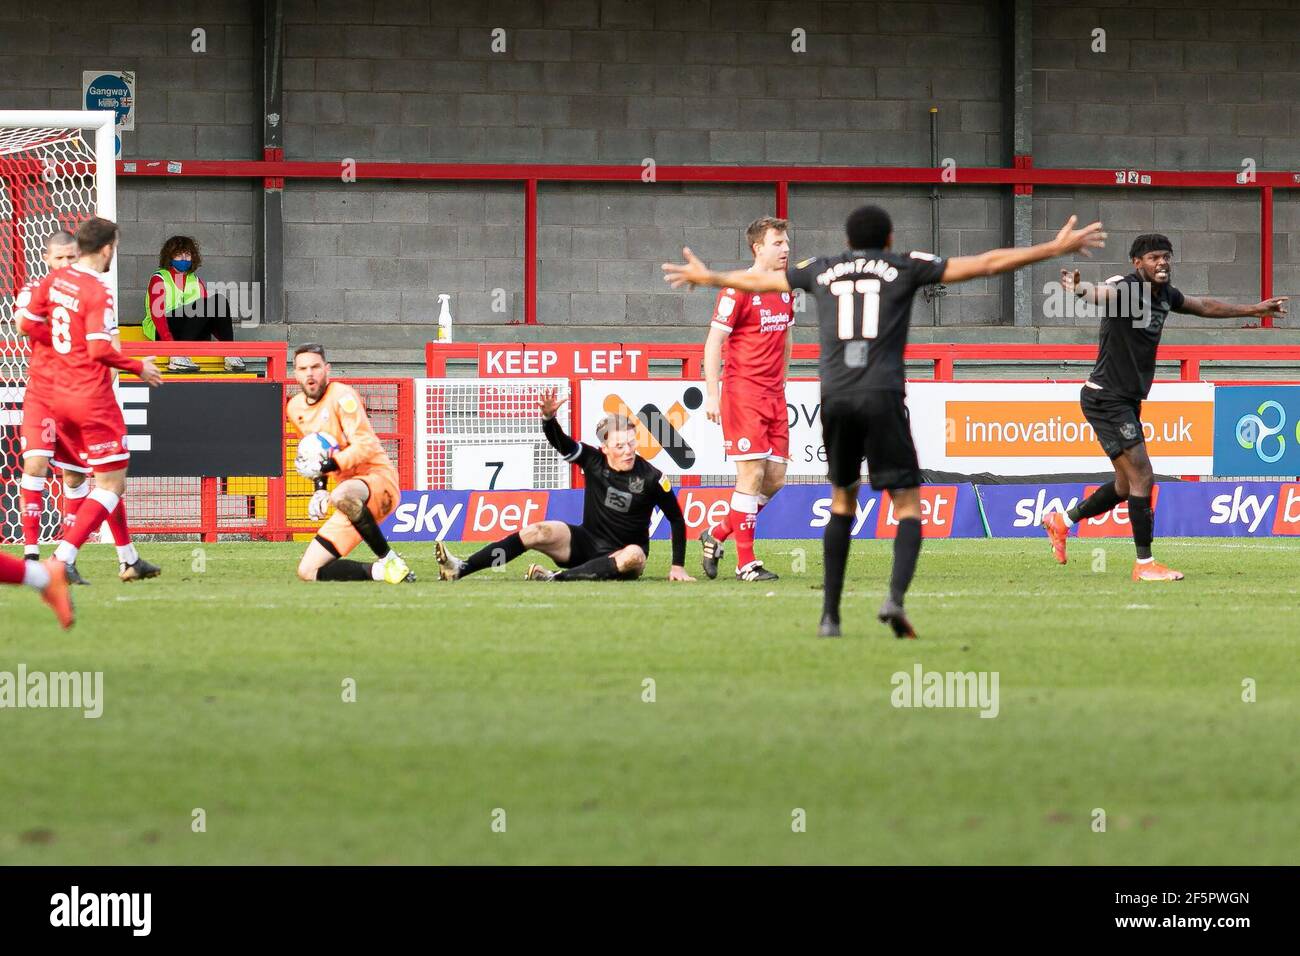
(367, 489)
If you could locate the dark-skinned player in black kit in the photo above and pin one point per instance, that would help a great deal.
(1133, 309)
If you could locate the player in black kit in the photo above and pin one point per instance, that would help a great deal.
(864, 308)
(622, 490)
(1133, 310)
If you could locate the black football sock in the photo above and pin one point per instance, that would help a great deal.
(835, 555)
(1097, 503)
(341, 569)
(1143, 521)
(907, 548)
(493, 555)
(369, 530)
(597, 569)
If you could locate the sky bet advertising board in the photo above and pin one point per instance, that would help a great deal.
(1257, 509)
(799, 511)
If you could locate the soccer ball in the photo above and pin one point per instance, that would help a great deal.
(313, 450)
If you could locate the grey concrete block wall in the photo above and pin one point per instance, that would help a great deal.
(611, 82)
(1204, 86)
(380, 253)
(188, 104)
(1215, 238)
(617, 81)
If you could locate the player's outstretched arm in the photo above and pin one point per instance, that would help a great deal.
(548, 405)
(1069, 240)
(693, 272)
(102, 351)
(1095, 292)
(1214, 309)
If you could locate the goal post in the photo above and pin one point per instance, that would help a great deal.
(57, 169)
(71, 153)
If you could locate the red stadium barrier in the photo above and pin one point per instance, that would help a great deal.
(690, 356)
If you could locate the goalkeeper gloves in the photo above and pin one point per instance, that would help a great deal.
(319, 505)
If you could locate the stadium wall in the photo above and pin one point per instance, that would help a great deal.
(680, 82)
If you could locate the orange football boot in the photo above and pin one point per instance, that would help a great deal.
(1057, 532)
(1155, 571)
(56, 593)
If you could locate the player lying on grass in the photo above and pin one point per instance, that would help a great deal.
(49, 578)
(864, 308)
(367, 490)
(71, 318)
(622, 491)
(1133, 311)
(42, 444)
(750, 402)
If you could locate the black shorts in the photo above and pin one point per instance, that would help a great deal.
(584, 547)
(1117, 421)
(873, 424)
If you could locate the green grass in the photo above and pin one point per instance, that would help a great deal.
(223, 691)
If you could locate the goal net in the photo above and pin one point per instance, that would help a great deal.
(486, 434)
(56, 170)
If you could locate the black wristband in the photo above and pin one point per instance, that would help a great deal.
(322, 483)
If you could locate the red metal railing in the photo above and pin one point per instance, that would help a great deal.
(1022, 178)
(690, 356)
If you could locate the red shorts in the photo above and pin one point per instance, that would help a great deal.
(43, 438)
(754, 425)
(95, 426)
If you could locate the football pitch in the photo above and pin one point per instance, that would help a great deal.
(498, 721)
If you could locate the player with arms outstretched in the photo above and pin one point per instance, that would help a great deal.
(367, 489)
(1133, 310)
(750, 404)
(71, 319)
(864, 309)
(613, 541)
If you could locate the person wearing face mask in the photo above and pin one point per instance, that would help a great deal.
(178, 308)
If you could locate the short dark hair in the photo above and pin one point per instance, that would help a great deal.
(312, 347)
(60, 238)
(94, 234)
(178, 244)
(868, 227)
(756, 231)
(1149, 242)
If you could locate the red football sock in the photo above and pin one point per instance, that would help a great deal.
(11, 569)
(33, 500)
(99, 504)
(724, 530)
(117, 525)
(72, 501)
(744, 511)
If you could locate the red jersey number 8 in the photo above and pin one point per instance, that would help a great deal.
(60, 330)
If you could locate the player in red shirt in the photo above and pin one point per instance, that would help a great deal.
(42, 445)
(71, 312)
(751, 406)
(38, 440)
